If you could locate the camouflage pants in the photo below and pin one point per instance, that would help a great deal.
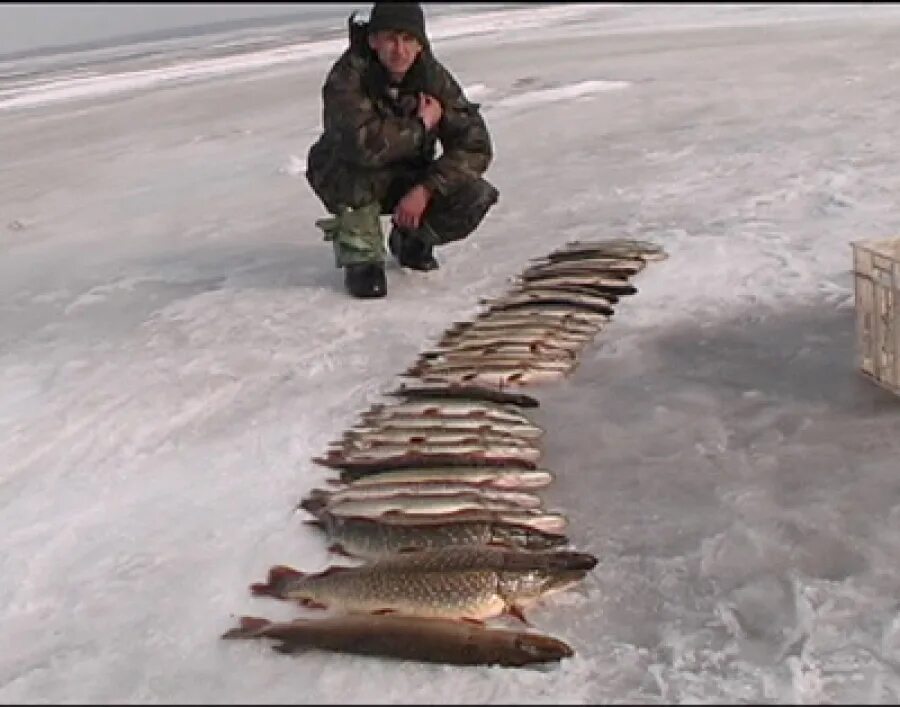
(342, 190)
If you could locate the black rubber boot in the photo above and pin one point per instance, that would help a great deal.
(365, 280)
(410, 251)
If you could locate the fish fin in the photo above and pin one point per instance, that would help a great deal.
(278, 575)
(313, 504)
(286, 648)
(250, 627)
(311, 604)
(333, 569)
(338, 549)
(393, 513)
(516, 612)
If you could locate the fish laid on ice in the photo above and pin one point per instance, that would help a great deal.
(488, 364)
(362, 464)
(411, 504)
(533, 349)
(487, 476)
(501, 378)
(473, 583)
(599, 285)
(447, 408)
(568, 323)
(509, 451)
(562, 299)
(358, 439)
(544, 309)
(425, 426)
(627, 266)
(470, 392)
(375, 538)
(538, 291)
(522, 499)
(407, 638)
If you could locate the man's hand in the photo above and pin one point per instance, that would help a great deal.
(411, 207)
(430, 110)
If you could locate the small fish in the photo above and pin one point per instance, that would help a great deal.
(474, 583)
(487, 476)
(407, 638)
(470, 392)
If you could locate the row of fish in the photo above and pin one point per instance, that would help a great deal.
(437, 491)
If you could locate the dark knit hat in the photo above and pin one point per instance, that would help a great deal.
(402, 16)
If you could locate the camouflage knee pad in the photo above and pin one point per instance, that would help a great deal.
(355, 234)
(456, 215)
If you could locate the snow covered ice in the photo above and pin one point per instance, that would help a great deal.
(176, 345)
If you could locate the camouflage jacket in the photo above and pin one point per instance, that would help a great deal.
(371, 125)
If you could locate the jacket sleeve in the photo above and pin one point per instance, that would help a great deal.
(366, 138)
(465, 142)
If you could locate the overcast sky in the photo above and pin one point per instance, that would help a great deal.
(25, 26)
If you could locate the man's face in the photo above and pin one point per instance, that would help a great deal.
(396, 50)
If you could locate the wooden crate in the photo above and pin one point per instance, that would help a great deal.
(876, 268)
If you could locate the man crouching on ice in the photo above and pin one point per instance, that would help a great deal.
(387, 101)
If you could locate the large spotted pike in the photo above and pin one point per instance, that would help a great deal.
(536, 519)
(407, 638)
(375, 538)
(483, 476)
(473, 583)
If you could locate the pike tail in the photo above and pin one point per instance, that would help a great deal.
(279, 577)
(249, 627)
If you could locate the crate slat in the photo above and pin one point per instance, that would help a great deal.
(876, 268)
